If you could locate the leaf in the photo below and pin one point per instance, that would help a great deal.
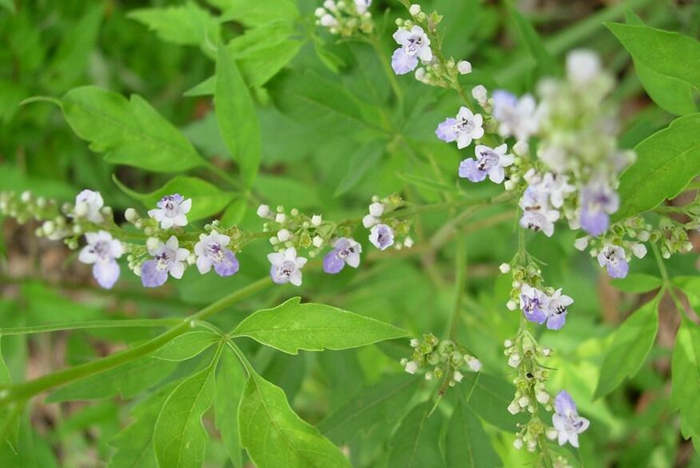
(292, 326)
(637, 283)
(128, 132)
(207, 199)
(230, 381)
(278, 188)
(252, 13)
(9, 5)
(275, 436)
(236, 116)
(361, 162)
(629, 347)
(467, 444)
(235, 212)
(6, 413)
(489, 399)
(546, 66)
(180, 439)
(416, 442)
(383, 401)
(186, 346)
(666, 162)
(426, 183)
(187, 24)
(686, 378)
(668, 64)
(127, 380)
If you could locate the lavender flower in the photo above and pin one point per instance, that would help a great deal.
(362, 5)
(516, 117)
(533, 303)
(88, 204)
(613, 258)
(489, 162)
(566, 420)
(172, 211)
(167, 258)
(556, 309)
(463, 129)
(598, 201)
(381, 236)
(286, 266)
(211, 251)
(414, 45)
(558, 188)
(344, 251)
(101, 252)
(536, 213)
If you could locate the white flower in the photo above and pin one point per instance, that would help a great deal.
(464, 67)
(558, 188)
(516, 117)
(463, 129)
(101, 252)
(480, 94)
(286, 267)
(362, 5)
(172, 211)
(473, 363)
(381, 236)
(536, 212)
(88, 204)
(328, 21)
(582, 66)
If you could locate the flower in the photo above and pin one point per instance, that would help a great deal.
(167, 258)
(582, 66)
(88, 204)
(414, 45)
(368, 221)
(556, 309)
(102, 251)
(516, 117)
(566, 420)
(381, 236)
(463, 129)
(172, 211)
(263, 211)
(411, 367)
(537, 215)
(211, 251)
(286, 266)
(598, 201)
(481, 95)
(490, 161)
(362, 5)
(344, 251)
(612, 257)
(376, 209)
(533, 303)
(464, 67)
(558, 187)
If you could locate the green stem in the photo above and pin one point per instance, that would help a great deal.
(90, 325)
(26, 390)
(661, 265)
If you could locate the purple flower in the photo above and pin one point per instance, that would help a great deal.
(88, 204)
(557, 305)
(344, 251)
(102, 251)
(381, 236)
(536, 212)
(533, 303)
(598, 201)
(489, 162)
(414, 45)
(516, 117)
(465, 128)
(167, 258)
(172, 211)
(613, 258)
(566, 420)
(211, 251)
(286, 266)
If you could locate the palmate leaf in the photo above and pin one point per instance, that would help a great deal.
(292, 326)
(629, 348)
(686, 379)
(275, 436)
(467, 444)
(416, 443)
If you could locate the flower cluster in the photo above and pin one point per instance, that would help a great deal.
(345, 17)
(445, 360)
(386, 231)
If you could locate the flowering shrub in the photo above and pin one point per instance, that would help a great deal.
(418, 145)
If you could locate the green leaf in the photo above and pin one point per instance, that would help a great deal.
(686, 378)
(666, 162)
(127, 381)
(637, 283)
(252, 13)
(180, 439)
(134, 444)
(207, 199)
(668, 64)
(187, 24)
(416, 443)
(235, 212)
(236, 116)
(292, 326)
(383, 401)
(128, 132)
(489, 399)
(427, 183)
(275, 436)
(546, 66)
(6, 414)
(230, 381)
(467, 444)
(9, 5)
(629, 347)
(279, 188)
(187, 346)
(362, 161)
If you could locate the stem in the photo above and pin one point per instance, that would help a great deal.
(661, 265)
(26, 390)
(90, 325)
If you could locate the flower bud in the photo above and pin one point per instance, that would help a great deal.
(464, 67)
(152, 243)
(280, 218)
(457, 376)
(131, 215)
(513, 408)
(480, 94)
(317, 241)
(316, 220)
(504, 268)
(376, 209)
(411, 367)
(414, 9)
(283, 235)
(368, 221)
